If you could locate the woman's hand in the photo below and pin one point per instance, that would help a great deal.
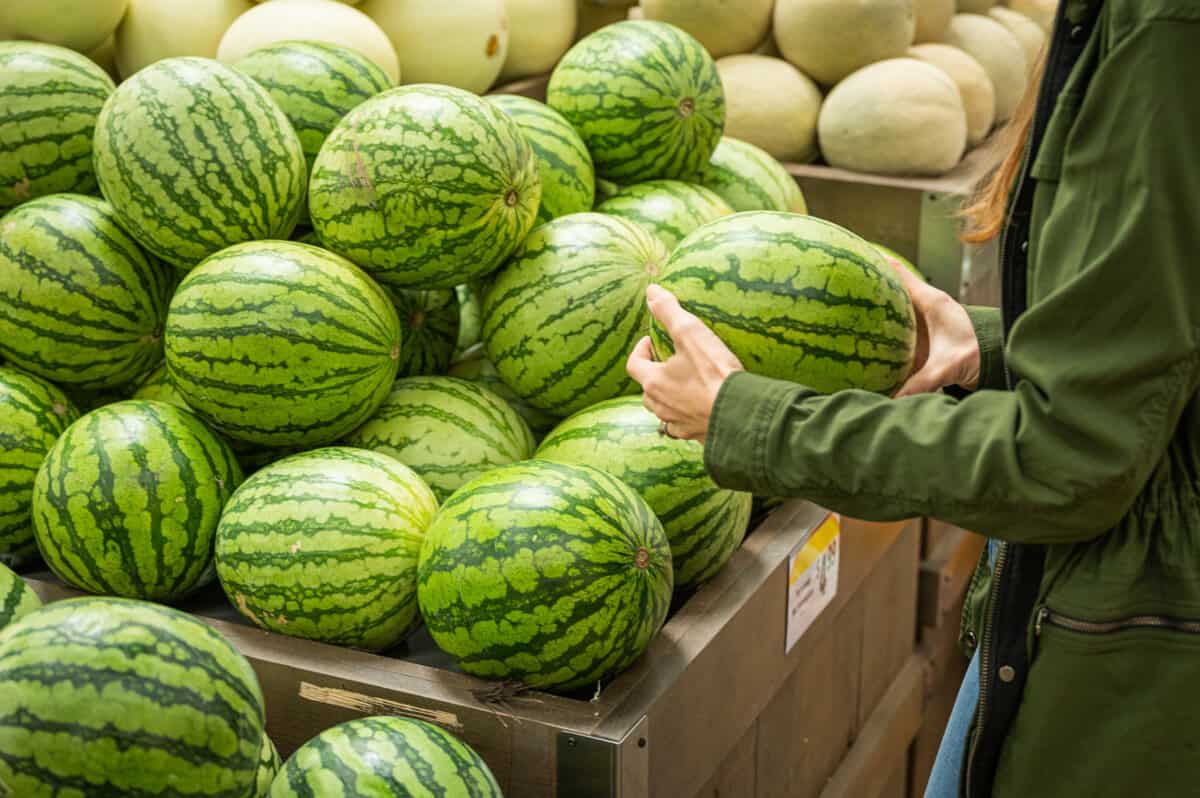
(681, 391)
(947, 349)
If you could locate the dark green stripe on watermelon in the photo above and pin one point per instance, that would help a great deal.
(16, 598)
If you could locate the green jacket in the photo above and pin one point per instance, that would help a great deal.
(1081, 450)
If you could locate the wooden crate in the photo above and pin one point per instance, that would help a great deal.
(949, 556)
(663, 728)
(945, 667)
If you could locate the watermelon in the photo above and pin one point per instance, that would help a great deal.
(447, 430)
(16, 599)
(324, 545)
(50, 98)
(195, 156)
(556, 576)
(126, 503)
(157, 386)
(104, 697)
(315, 84)
(385, 756)
(470, 317)
(425, 187)
(605, 189)
(564, 163)
(562, 316)
(33, 413)
(475, 367)
(646, 98)
(704, 524)
(430, 322)
(750, 179)
(79, 301)
(280, 344)
(796, 298)
(670, 209)
(268, 768)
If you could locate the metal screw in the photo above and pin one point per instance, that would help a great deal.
(641, 742)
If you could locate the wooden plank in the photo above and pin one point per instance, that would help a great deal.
(890, 626)
(735, 778)
(864, 773)
(946, 572)
(961, 180)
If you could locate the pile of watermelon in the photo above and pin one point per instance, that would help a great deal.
(283, 327)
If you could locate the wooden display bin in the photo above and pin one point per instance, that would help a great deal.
(715, 696)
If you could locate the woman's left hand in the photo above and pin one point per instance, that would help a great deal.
(682, 390)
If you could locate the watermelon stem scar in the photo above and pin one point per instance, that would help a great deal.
(512, 198)
(642, 560)
(687, 106)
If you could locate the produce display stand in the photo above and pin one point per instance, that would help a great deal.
(715, 701)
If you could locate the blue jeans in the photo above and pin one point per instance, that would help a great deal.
(947, 768)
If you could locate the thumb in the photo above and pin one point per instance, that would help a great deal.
(923, 380)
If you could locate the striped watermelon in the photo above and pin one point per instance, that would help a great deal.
(33, 413)
(560, 319)
(157, 386)
(557, 576)
(79, 301)
(705, 524)
(282, 344)
(126, 503)
(796, 298)
(475, 367)
(16, 599)
(750, 179)
(605, 189)
(564, 163)
(104, 697)
(50, 98)
(470, 317)
(429, 320)
(645, 96)
(315, 84)
(385, 756)
(324, 546)
(670, 209)
(195, 156)
(447, 430)
(425, 187)
(269, 766)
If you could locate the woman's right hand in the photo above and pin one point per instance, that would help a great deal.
(947, 348)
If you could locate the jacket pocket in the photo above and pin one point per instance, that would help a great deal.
(1111, 709)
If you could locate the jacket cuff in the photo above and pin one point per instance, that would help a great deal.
(740, 429)
(989, 331)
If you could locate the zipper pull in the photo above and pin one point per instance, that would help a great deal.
(1042, 614)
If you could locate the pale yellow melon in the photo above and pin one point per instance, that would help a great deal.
(461, 43)
(829, 39)
(82, 25)
(974, 85)
(156, 29)
(990, 43)
(1040, 11)
(539, 32)
(771, 104)
(347, 2)
(933, 16)
(593, 16)
(724, 27)
(975, 6)
(1026, 31)
(896, 117)
(313, 20)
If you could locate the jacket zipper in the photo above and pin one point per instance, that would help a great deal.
(1047, 616)
(985, 658)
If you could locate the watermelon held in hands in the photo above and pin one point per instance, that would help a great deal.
(127, 501)
(645, 96)
(670, 209)
(425, 187)
(113, 697)
(704, 524)
(281, 344)
(556, 576)
(16, 598)
(324, 545)
(194, 157)
(396, 756)
(796, 298)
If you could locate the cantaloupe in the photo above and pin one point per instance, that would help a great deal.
(771, 104)
(1040, 11)
(933, 17)
(595, 14)
(975, 6)
(724, 27)
(1026, 31)
(829, 39)
(461, 43)
(974, 85)
(156, 29)
(314, 20)
(82, 25)
(539, 32)
(990, 43)
(896, 117)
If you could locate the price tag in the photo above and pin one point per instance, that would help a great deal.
(812, 577)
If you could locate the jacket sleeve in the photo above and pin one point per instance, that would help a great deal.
(1105, 362)
(989, 332)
